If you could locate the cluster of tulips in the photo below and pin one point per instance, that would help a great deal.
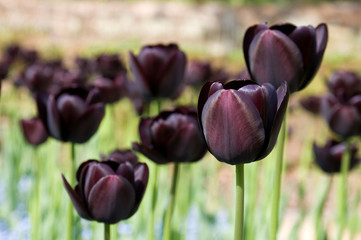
(237, 121)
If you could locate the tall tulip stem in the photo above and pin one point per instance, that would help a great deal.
(277, 180)
(72, 182)
(239, 214)
(319, 210)
(168, 217)
(342, 208)
(106, 231)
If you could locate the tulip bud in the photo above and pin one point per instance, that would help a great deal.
(172, 136)
(241, 119)
(158, 70)
(110, 190)
(329, 157)
(312, 104)
(284, 52)
(72, 115)
(109, 66)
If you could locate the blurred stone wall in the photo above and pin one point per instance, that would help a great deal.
(216, 26)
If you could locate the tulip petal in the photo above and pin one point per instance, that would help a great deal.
(141, 173)
(346, 121)
(87, 124)
(126, 170)
(305, 39)
(208, 89)
(111, 199)
(275, 58)
(248, 37)
(34, 131)
(285, 28)
(150, 153)
(282, 102)
(53, 117)
(232, 127)
(77, 200)
(144, 131)
(186, 145)
(70, 107)
(321, 38)
(93, 174)
(41, 100)
(139, 76)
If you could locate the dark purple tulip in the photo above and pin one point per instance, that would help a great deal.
(312, 104)
(329, 157)
(110, 190)
(201, 72)
(158, 70)
(241, 119)
(29, 56)
(284, 52)
(38, 78)
(172, 136)
(341, 107)
(34, 131)
(72, 115)
(111, 90)
(109, 66)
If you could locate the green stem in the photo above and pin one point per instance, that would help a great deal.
(239, 214)
(35, 197)
(72, 182)
(154, 201)
(106, 231)
(168, 218)
(277, 181)
(345, 165)
(319, 210)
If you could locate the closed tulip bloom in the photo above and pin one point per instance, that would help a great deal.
(329, 157)
(172, 136)
(341, 107)
(241, 119)
(34, 131)
(284, 52)
(108, 191)
(72, 115)
(158, 70)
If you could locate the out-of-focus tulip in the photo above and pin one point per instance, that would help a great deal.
(158, 70)
(329, 157)
(110, 190)
(111, 90)
(34, 131)
(284, 52)
(201, 72)
(241, 119)
(72, 115)
(109, 66)
(341, 107)
(29, 56)
(172, 136)
(312, 104)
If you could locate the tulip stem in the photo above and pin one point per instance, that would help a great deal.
(277, 181)
(106, 231)
(154, 201)
(345, 165)
(72, 182)
(319, 210)
(239, 214)
(168, 218)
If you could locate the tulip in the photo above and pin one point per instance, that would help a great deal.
(341, 107)
(158, 70)
(171, 136)
(73, 115)
(241, 119)
(284, 52)
(329, 157)
(109, 66)
(108, 191)
(34, 131)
